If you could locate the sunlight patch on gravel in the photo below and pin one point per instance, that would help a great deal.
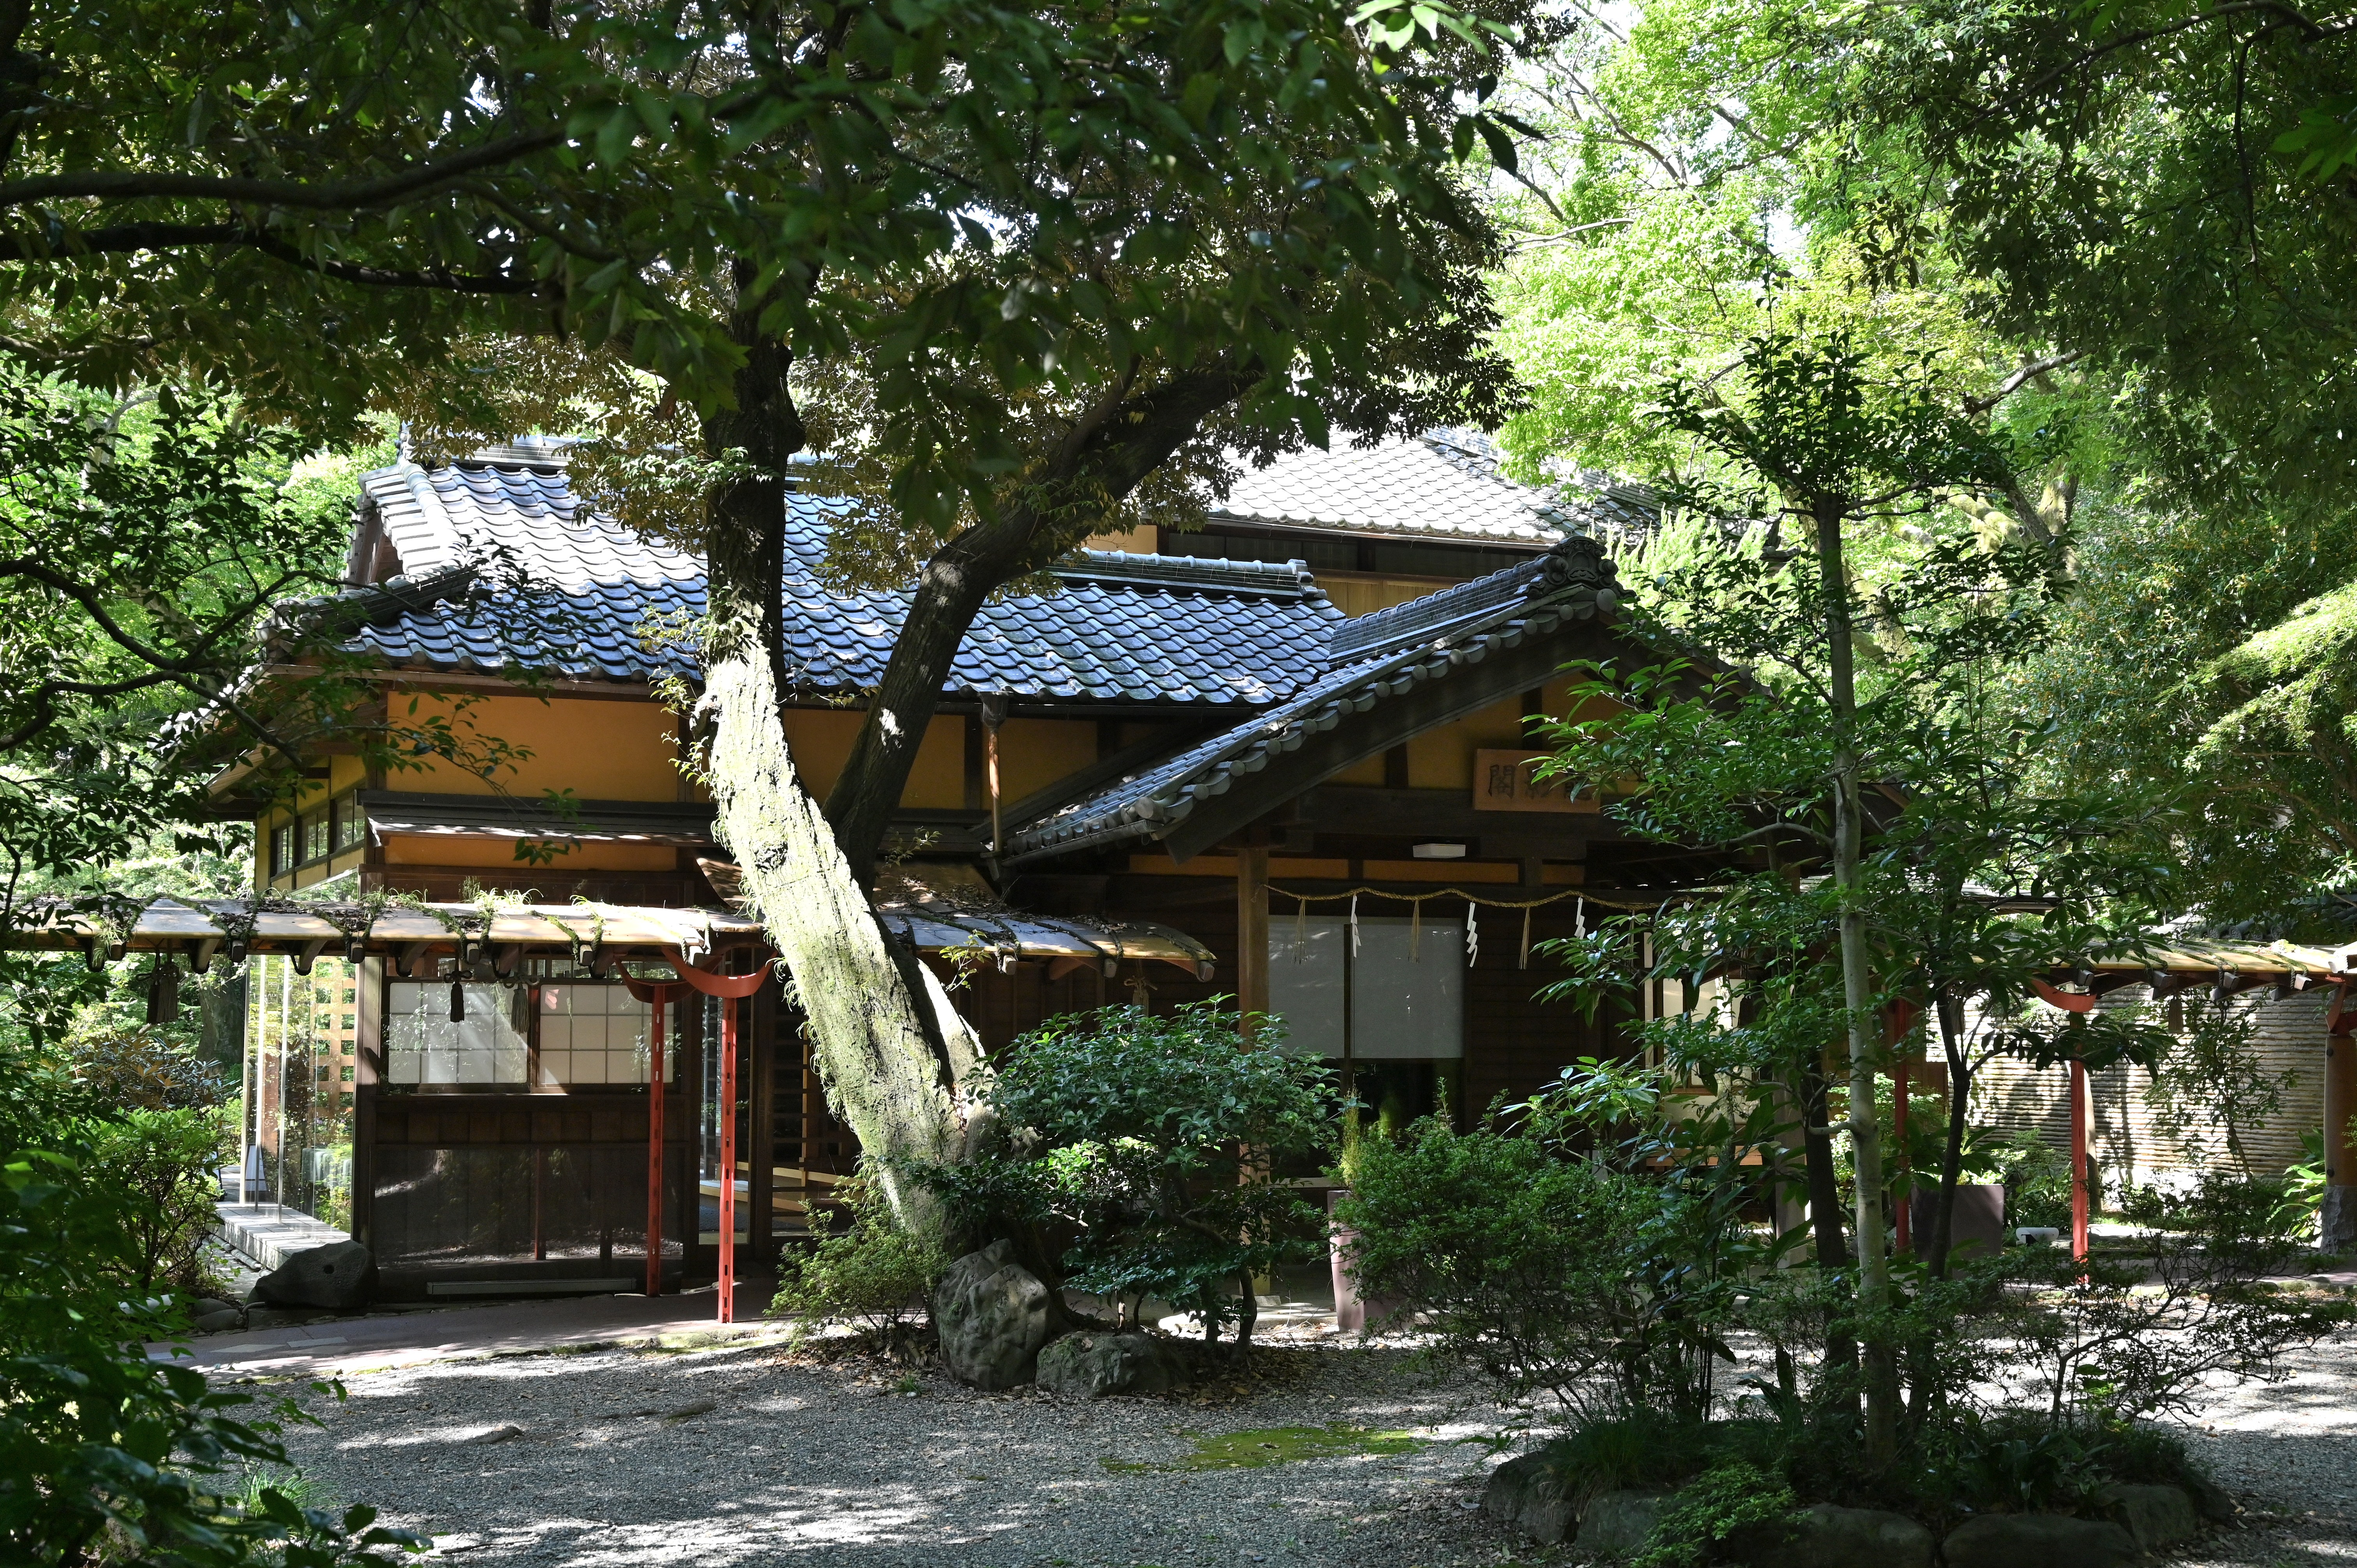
(740, 1455)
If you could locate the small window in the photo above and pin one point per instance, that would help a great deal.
(315, 836)
(351, 824)
(422, 1046)
(323, 1072)
(594, 1034)
(282, 849)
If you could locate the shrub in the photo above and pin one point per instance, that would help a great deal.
(105, 1454)
(1734, 1499)
(1559, 1256)
(130, 1067)
(1149, 1139)
(874, 1273)
(2107, 1341)
(2037, 1180)
(160, 1162)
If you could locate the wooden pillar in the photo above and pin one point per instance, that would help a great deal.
(687, 1125)
(1252, 929)
(656, 1111)
(1900, 1024)
(2337, 1221)
(368, 1055)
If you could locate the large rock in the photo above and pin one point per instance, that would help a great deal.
(1827, 1536)
(1528, 1494)
(2157, 1517)
(1089, 1366)
(2039, 1541)
(338, 1277)
(991, 1316)
(2336, 1221)
(1615, 1524)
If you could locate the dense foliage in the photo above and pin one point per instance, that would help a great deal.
(1591, 1257)
(105, 1454)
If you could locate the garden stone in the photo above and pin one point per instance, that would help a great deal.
(1529, 1494)
(2039, 1541)
(2213, 1501)
(2157, 1517)
(219, 1322)
(1617, 1524)
(1827, 1536)
(205, 1304)
(991, 1316)
(339, 1277)
(1090, 1366)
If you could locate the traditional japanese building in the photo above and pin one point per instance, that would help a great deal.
(1284, 758)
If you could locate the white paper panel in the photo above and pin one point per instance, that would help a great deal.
(1305, 985)
(1408, 1007)
(1403, 1007)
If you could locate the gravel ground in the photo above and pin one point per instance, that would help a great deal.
(757, 1456)
(754, 1455)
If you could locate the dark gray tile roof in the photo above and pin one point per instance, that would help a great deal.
(1125, 629)
(1443, 485)
(1403, 648)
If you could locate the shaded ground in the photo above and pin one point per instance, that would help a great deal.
(747, 1456)
(745, 1453)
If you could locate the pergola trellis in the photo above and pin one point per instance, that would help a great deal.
(2227, 968)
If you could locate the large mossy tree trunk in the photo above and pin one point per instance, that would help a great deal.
(894, 1055)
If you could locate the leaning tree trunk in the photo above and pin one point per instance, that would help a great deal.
(1858, 989)
(892, 1052)
(1073, 488)
(1952, 1156)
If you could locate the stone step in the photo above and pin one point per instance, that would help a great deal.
(268, 1234)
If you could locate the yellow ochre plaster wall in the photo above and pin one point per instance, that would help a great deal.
(599, 750)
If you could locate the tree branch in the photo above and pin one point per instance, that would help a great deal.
(125, 238)
(2022, 377)
(2311, 29)
(129, 184)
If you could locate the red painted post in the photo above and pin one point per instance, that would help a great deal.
(2077, 1161)
(655, 1142)
(730, 989)
(728, 1160)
